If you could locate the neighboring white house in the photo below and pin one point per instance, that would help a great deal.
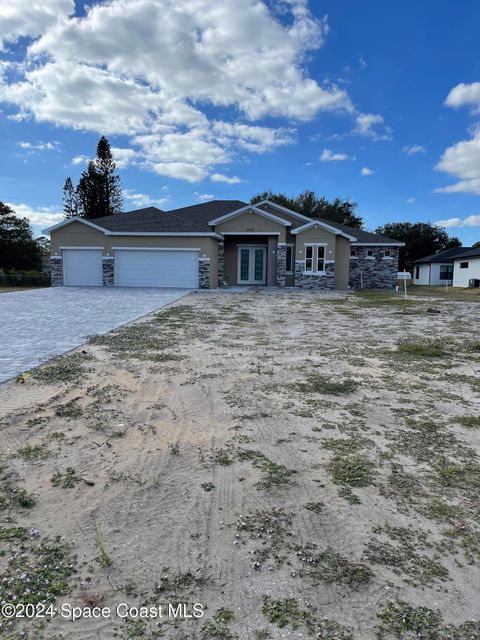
(466, 269)
(448, 267)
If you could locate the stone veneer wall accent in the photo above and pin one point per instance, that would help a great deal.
(108, 272)
(314, 281)
(221, 263)
(204, 273)
(56, 271)
(281, 265)
(377, 272)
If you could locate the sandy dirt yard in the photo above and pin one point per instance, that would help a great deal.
(296, 465)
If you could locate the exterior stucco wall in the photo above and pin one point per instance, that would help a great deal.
(342, 262)
(282, 214)
(231, 256)
(251, 222)
(376, 272)
(77, 234)
(423, 274)
(461, 277)
(315, 235)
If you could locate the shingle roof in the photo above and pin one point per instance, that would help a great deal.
(471, 253)
(445, 256)
(194, 218)
(360, 235)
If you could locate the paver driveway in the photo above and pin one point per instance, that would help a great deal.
(38, 324)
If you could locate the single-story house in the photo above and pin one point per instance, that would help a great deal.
(218, 243)
(444, 268)
(466, 269)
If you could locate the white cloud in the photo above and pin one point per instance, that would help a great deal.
(38, 216)
(80, 159)
(26, 18)
(367, 172)
(144, 200)
(329, 156)
(123, 157)
(465, 95)
(410, 201)
(414, 149)
(38, 146)
(204, 197)
(469, 221)
(372, 125)
(462, 159)
(150, 69)
(219, 177)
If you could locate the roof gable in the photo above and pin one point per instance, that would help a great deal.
(322, 225)
(250, 208)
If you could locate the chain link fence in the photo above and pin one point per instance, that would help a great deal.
(18, 280)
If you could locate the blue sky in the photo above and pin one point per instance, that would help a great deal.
(374, 101)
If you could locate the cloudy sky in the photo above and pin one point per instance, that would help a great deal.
(375, 101)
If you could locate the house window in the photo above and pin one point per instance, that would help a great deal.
(417, 273)
(387, 254)
(369, 253)
(314, 258)
(289, 259)
(353, 253)
(463, 265)
(446, 271)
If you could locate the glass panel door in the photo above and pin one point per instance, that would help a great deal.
(251, 265)
(259, 268)
(244, 265)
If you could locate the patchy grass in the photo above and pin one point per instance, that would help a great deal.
(287, 613)
(470, 422)
(69, 368)
(400, 620)
(69, 410)
(424, 349)
(217, 627)
(331, 567)
(65, 479)
(37, 574)
(274, 475)
(353, 470)
(32, 453)
(328, 385)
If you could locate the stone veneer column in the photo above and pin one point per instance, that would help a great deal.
(221, 263)
(375, 272)
(314, 281)
(281, 264)
(56, 271)
(204, 273)
(108, 271)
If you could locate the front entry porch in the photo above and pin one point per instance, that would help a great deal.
(250, 260)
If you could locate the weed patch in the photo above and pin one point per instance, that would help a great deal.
(318, 383)
(274, 475)
(69, 368)
(352, 470)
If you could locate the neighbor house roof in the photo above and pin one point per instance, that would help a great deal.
(470, 253)
(196, 219)
(445, 256)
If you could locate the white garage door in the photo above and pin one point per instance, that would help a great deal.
(150, 268)
(82, 267)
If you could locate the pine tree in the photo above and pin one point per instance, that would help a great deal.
(111, 193)
(70, 200)
(99, 191)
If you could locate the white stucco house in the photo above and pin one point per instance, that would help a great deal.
(459, 267)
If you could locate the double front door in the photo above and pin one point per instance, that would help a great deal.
(252, 264)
